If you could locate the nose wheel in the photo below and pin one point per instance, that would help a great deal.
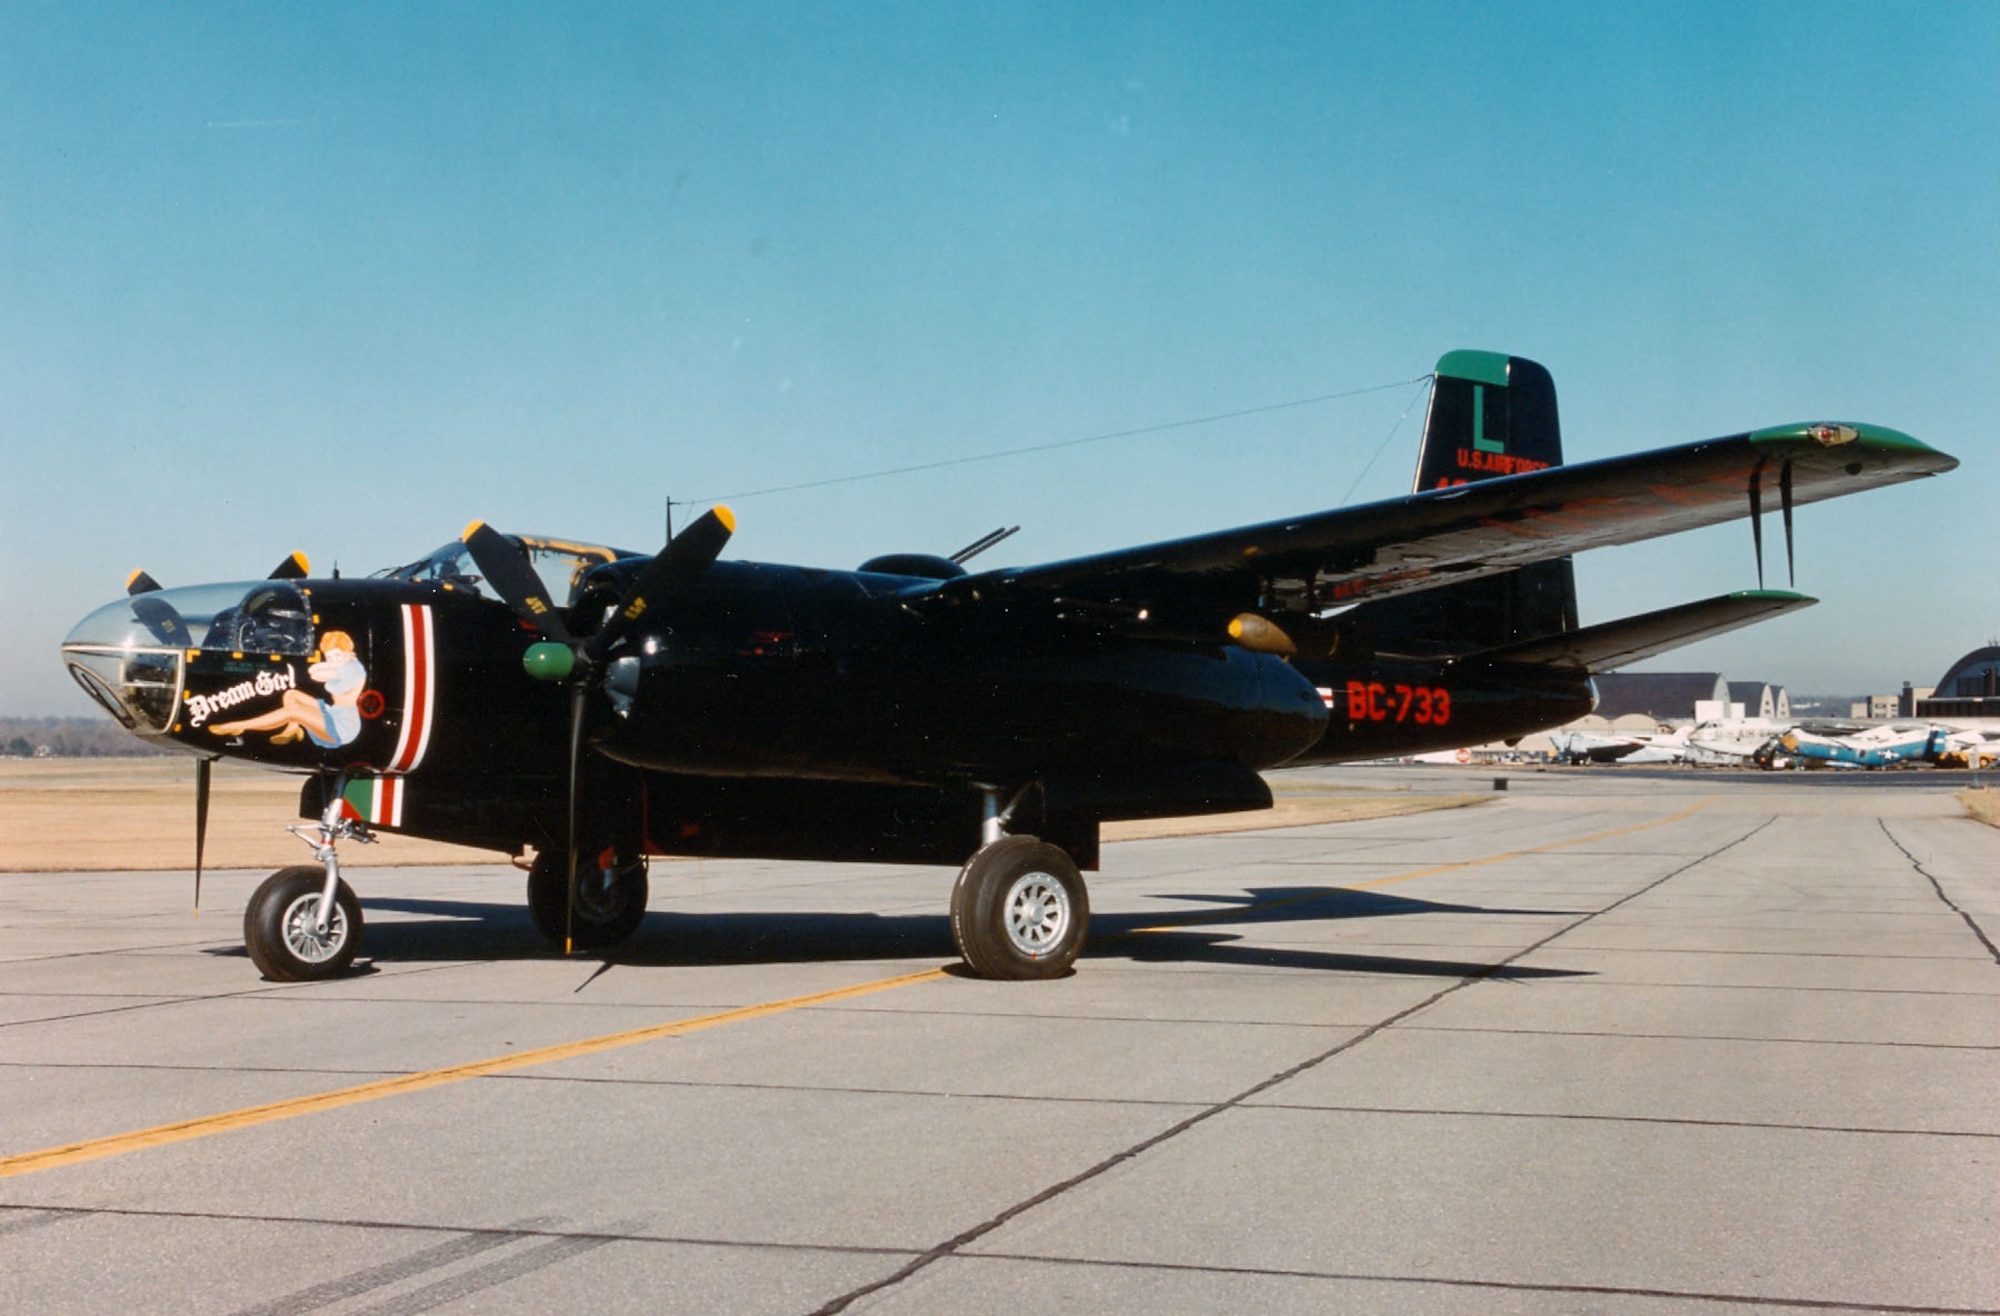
(282, 926)
(1019, 910)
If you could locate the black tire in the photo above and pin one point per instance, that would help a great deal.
(605, 915)
(278, 926)
(1019, 910)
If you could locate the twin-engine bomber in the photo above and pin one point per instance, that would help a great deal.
(914, 711)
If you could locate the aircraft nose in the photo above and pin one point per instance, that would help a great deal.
(129, 656)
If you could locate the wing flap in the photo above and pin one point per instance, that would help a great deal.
(1614, 644)
(1405, 545)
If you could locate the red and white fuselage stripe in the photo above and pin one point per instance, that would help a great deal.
(419, 690)
(388, 810)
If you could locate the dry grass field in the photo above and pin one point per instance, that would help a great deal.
(111, 814)
(1983, 803)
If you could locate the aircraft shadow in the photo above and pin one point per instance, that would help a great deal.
(1198, 936)
(468, 930)
(1317, 904)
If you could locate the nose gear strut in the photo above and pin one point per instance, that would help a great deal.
(335, 825)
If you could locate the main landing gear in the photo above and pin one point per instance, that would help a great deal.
(610, 899)
(303, 923)
(1019, 909)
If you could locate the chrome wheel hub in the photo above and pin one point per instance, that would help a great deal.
(1036, 914)
(302, 935)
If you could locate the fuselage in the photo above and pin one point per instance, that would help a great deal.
(809, 689)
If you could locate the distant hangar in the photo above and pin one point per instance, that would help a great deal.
(1970, 689)
(1679, 696)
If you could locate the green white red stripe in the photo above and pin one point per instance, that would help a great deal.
(377, 800)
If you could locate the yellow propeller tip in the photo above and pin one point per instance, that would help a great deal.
(727, 517)
(305, 563)
(471, 529)
(136, 573)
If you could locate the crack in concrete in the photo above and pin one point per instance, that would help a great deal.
(1938, 887)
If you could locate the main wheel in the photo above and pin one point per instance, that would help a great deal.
(280, 926)
(609, 906)
(1019, 910)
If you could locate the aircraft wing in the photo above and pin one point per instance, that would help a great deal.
(1405, 545)
(1613, 644)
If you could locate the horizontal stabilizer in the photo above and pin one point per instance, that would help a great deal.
(1616, 643)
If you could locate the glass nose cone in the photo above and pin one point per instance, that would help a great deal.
(128, 656)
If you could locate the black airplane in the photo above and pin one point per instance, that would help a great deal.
(913, 711)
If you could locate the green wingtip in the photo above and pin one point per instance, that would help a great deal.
(1773, 596)
(1856, 447)
(1834, 435)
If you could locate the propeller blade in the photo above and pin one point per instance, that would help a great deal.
(1785, 502)
(140, 583)
(576, 703)
(163, 621)
(295, 567)
(1757, 519)
(508, 572)
(678, 565)
(682, 561)
(201, 776)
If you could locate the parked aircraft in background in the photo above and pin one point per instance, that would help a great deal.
(1618, 747)
(1731, 742)
(1878, 747)
(1971, 746)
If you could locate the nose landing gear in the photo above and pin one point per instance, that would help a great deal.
(303, 923)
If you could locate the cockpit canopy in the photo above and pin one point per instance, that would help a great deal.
(561, 563)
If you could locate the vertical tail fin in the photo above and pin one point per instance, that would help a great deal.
(1490, 415)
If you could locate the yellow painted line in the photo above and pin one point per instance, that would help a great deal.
(1225, 915)
(70, 1154)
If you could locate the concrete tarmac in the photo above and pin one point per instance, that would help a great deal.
(1697, 1043)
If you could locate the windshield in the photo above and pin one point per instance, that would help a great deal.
(559, 562)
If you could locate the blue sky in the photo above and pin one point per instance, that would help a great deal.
(342, 278)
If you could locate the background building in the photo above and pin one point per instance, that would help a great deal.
(1662, 696)
(1970, 688)
(1761, 699)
